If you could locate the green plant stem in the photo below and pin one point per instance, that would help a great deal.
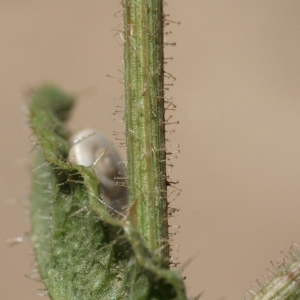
(145, 123)
(285, 284)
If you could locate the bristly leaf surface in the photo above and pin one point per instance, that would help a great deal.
(82, 251)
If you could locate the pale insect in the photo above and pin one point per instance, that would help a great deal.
(91, 148)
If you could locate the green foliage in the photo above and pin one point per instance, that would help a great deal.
(82, 251)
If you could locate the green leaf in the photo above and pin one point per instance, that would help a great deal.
(81, 250)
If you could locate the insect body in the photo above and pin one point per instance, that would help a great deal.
(91, 148)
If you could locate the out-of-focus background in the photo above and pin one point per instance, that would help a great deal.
(237, 65)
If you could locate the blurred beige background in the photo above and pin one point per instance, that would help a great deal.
(237, 65)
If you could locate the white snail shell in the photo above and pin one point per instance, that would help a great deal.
(91, 148)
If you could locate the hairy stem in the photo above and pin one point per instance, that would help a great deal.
(284, 284)
(145, 123)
